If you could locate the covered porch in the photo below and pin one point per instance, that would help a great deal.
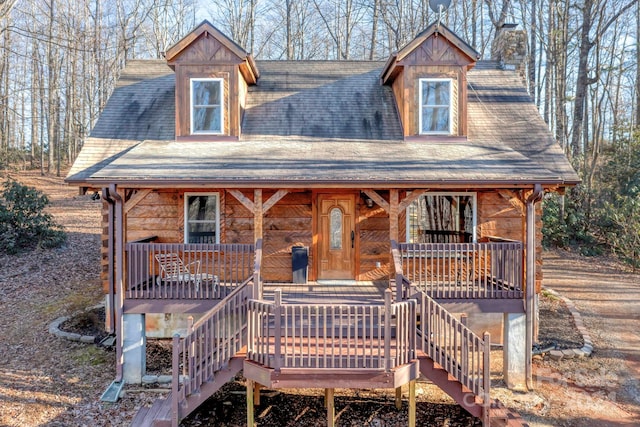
(485, 277)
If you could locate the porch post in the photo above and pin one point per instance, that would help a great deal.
(534, 197)
(393, 214)
(393, 231)
(257, 214)
(118, 281)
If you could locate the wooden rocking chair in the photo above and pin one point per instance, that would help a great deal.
(173, 269)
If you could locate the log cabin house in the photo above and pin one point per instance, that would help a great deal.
(327, 223)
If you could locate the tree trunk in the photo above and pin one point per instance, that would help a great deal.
(533, 34)
(582, 81)
(374, 28)
(637, 106)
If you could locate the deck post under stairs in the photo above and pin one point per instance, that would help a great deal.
(330, 403)
(514, 351)
(412, 403)
(250, 404)
(134, 345)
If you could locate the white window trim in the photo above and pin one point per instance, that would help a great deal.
(450, 131)
(474, 201)
(209, 79)
(186, 214)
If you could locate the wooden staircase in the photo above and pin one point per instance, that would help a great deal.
(160, 413)
(214, 351)
(498, 414)
(210, 355)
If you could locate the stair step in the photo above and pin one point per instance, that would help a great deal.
(502, 416)
(140, 416)
(159, 414)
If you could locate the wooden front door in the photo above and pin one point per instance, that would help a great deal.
(336, 236)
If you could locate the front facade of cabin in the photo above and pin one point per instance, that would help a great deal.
(223, 177)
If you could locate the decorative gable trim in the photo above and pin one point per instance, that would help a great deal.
(196, 48)
(449, 49)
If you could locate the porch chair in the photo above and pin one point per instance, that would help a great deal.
(173, 269)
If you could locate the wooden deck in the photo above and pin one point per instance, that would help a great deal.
(325, 291)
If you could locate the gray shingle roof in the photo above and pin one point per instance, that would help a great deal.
(321, 121)
(314, 162)
(142, 105)
(322, 99)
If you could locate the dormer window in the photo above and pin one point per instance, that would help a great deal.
(207, 106)
(436, 110)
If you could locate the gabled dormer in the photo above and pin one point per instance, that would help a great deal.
(429, 81)
(212, 75)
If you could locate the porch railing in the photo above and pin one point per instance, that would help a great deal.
(186, 271)
(319, 336)
(464, 270)
(209, 345)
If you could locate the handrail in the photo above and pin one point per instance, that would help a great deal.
(453, 346)
(209, 345)
(397, 265)
(210, 270)
(326, 336)
(447, 341)
(463, 270)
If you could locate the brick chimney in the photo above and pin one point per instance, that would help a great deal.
(510, 48)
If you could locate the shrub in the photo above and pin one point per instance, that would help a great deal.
(621, 226)
(23, 222)
(571, 226)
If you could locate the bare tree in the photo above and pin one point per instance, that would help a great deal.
(587, 41)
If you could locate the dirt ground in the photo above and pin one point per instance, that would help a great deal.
(45, 381)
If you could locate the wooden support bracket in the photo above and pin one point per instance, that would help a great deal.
(377, 199)
(135, 199)
(413, 196)
(246, 202)
(516, 199)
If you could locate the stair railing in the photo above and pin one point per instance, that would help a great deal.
(448, 342)
(453, 346)
(209, 345)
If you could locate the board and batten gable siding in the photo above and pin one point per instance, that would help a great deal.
(184, 74)
(410, 104)
(445, 61)
(207, 57)
(243, 89)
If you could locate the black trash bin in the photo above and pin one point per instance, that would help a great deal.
(300, 263)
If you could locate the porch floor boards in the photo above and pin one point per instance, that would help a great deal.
(328, 292)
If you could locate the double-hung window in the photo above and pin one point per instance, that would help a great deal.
(436, 111)
(202, 218)
(207, 106)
